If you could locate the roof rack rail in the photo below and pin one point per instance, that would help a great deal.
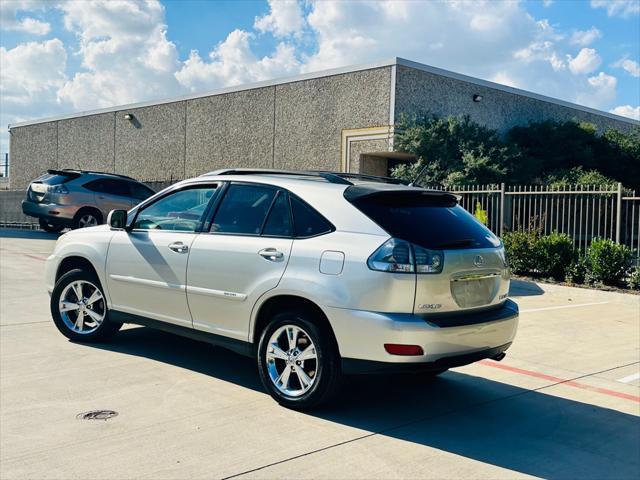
(373, 178)
(341, 178)
(328, 176)
(75, 170)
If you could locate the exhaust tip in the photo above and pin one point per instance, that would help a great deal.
(499, 356)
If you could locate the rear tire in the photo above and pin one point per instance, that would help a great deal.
(302, 372)
(78, 293)
(87, 217)
(50, 227)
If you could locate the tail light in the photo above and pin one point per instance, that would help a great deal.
(59, 189)
(400, 256)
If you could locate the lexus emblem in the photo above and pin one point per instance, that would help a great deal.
(478, 261)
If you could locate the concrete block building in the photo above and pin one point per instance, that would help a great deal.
(340, 119)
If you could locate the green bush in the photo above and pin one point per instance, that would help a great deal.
(607, 261)
(458, 151)
(577, 270)
(634, 279)
(520, 248)
(553, 255)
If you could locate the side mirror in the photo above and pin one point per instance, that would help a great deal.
(117, 219)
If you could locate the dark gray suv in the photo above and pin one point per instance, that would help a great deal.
(79, 198)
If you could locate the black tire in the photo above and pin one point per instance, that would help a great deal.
(106, 328)
(50, 227)
(86, 212)
(327, 377)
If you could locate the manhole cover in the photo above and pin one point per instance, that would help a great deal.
(97, 415)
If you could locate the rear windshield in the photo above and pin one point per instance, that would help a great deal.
(54, 178)
(434, 222)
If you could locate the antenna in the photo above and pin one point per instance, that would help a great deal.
(415, 180)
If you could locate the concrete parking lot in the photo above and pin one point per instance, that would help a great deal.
(564, 403)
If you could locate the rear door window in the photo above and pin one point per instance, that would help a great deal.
(279, 220)
(243, 210)
(109, 186)
(431, 221)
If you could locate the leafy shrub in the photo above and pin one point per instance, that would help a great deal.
(578, 176)
(607, 261)
(451, 150)
(553, 255)
(634, 279)
(457, 151)
(520, 248)
(577, 270)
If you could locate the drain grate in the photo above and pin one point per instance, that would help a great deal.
(97, 415)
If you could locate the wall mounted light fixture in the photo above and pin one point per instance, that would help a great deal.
(128, 116)
(477, 98)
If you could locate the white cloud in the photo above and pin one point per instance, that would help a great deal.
(547, 3)
(627, 111)
(600, 92)
(30, 76)
(233, 62)
(586, 61)
(584, 38)
(285, 18)
(479, 37)
(31, 70)
(504, 79)
(630, 66)
(615, 8)
(11, 18)
(124, 50)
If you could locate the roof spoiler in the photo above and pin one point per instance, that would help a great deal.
(357, 192)
(66, 173)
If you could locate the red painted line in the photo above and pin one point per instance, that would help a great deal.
(571, 383)
(24, 254)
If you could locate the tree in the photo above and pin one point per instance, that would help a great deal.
(452, 150)
(456, 150)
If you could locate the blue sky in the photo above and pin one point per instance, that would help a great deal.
(63, 56)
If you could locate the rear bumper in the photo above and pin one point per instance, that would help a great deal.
(64, 215)
(352, 366)
(361, 336)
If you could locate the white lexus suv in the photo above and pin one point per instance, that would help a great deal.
(316, 274)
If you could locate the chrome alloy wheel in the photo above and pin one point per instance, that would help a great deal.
(87, 220)
(82, 307)
(291, 360)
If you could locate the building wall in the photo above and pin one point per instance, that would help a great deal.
(231, 130)
(33, 149)
(296, 125)
(310, 116)
(87, 142)
(420, 92)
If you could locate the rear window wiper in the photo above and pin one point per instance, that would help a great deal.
(463, 242)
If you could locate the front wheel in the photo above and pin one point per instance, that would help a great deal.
(79, 308)
(298, 362)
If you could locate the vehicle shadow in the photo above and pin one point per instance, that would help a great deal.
(26, 233)
(521, 430)
(524, 288)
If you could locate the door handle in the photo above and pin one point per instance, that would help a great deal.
(271, 254)
(179, 247)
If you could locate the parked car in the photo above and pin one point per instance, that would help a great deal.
(79, 198)
(315, 274)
